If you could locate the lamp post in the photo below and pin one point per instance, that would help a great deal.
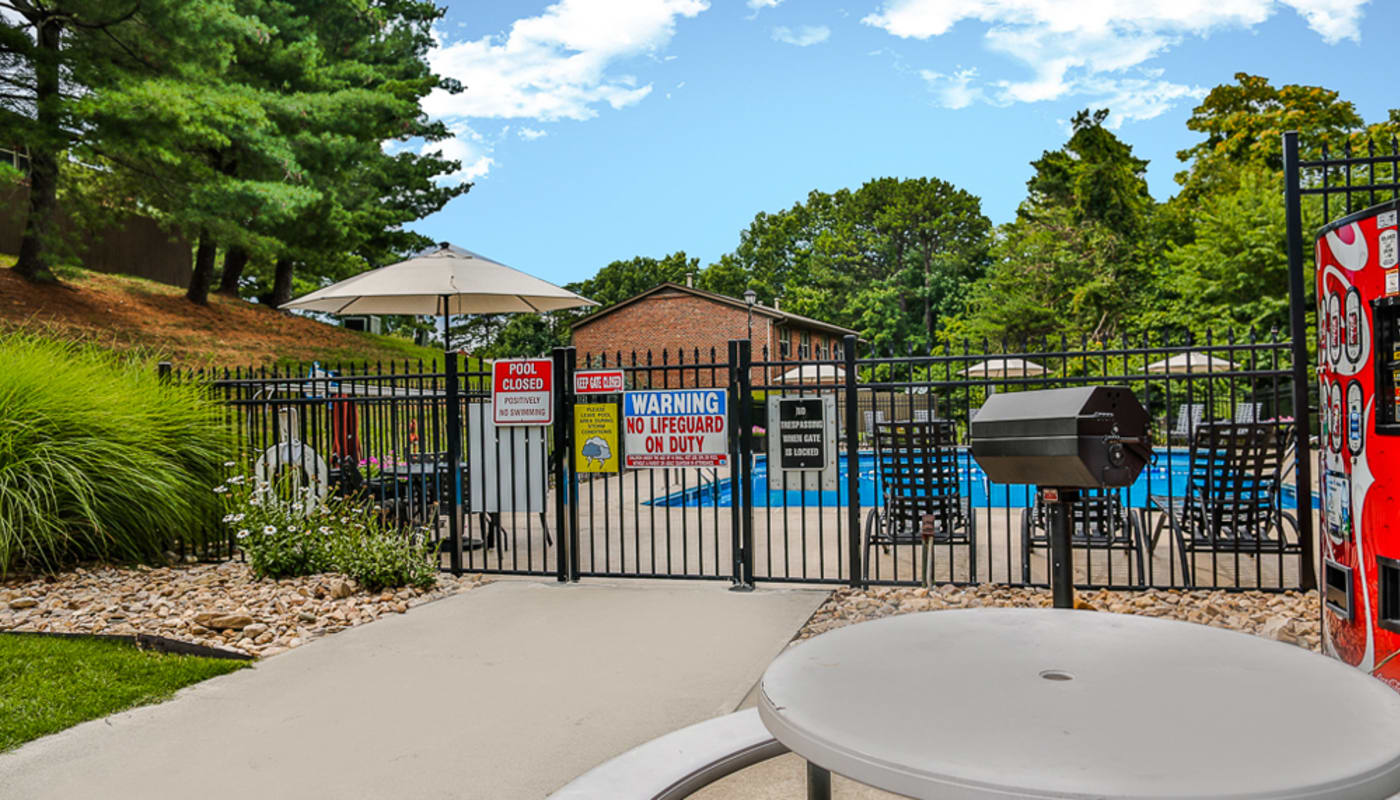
(750, 297)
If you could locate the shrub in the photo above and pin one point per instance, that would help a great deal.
(98, 458)
(284, 532)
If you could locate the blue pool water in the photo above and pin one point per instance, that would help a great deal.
(1167, 476)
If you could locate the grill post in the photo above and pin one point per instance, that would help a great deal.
(1058, 508)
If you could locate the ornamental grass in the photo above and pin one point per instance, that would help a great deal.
(99, 459)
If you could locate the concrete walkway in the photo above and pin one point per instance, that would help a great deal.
(507, 691)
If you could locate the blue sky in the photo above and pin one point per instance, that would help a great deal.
(597, 130)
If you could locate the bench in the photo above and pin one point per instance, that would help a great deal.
(680, 763)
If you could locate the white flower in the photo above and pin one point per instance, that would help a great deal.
(237, 517)
(220, 489)
(253, 501)
(291, 529)
(228, 463)
(243, 534)
(269, 530)
(228, 518)
(324, 530)
(236, 479)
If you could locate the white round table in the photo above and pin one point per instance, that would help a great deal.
(1003, 703)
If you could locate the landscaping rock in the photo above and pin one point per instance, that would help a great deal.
(220, 605)
(1290, 617)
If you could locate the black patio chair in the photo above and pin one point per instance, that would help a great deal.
(1233, 501)
(1098, 522)
(917, 464)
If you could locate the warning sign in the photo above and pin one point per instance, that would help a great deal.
(676, 428)
(522, 391)
(595, 437)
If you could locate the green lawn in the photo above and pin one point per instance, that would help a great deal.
(50, 683)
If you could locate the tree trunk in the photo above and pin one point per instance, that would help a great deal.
(282, 282)
(235, 259)
(203, 274)
(33, 261)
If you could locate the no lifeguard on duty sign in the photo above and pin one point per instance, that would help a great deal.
(522, 391)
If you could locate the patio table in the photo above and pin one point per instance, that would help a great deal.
(1003, 703)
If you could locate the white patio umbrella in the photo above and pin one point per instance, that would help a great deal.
(1192, 362)
(813, 373)
(440, 282)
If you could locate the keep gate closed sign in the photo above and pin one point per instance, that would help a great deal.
(676, 428)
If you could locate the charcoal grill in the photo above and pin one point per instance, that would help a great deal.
(1062, 441)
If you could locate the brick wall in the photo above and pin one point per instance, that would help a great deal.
(674, 321)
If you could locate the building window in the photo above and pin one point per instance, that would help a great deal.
(784, 343)
(804, 350)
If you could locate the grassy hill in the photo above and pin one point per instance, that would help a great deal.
(132, 314)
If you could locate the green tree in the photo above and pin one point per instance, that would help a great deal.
(891, 259)
(1235, 271)
(1081, 255)
(623, 279)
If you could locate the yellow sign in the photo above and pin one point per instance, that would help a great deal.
(595, 437)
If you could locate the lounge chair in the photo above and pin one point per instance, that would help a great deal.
(1099, 522)
(917, 464)
(1189, 417)
(1247, 413)
(1232, 502)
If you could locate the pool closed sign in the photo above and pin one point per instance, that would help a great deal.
(522, 391)
(676, 428)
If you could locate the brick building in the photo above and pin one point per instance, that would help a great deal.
(673, 318)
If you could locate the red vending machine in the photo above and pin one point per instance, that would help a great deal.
(1358, 354)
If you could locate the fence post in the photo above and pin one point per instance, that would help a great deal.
(746, 452)
(454, 460)
(563, 449)
(163, 371)
(736, 483)
(853, 559)
(1297, 315)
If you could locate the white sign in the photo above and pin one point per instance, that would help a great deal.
(1388, 256)
(676, 428)
(802, 443)
(1385, 220)
(508, 466)
(598, 381)
(522, 391)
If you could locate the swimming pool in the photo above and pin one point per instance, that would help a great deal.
(1167, 476)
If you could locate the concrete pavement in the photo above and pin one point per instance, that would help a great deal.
(507, 691)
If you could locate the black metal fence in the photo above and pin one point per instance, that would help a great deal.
(419, 441)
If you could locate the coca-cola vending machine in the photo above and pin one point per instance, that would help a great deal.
(1358, 353)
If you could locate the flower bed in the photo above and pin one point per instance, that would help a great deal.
(220, 605)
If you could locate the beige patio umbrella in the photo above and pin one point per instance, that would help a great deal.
(1005, 368)
(1192, 362)
(813, 373)
(442, 281)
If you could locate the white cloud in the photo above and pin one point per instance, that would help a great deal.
(802, 35)
(955, 90)
(531, 134)
(560, 64)
(466, 146)
(759, 5)
(1095, 48)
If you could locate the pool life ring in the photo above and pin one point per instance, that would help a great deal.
(304, 464)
